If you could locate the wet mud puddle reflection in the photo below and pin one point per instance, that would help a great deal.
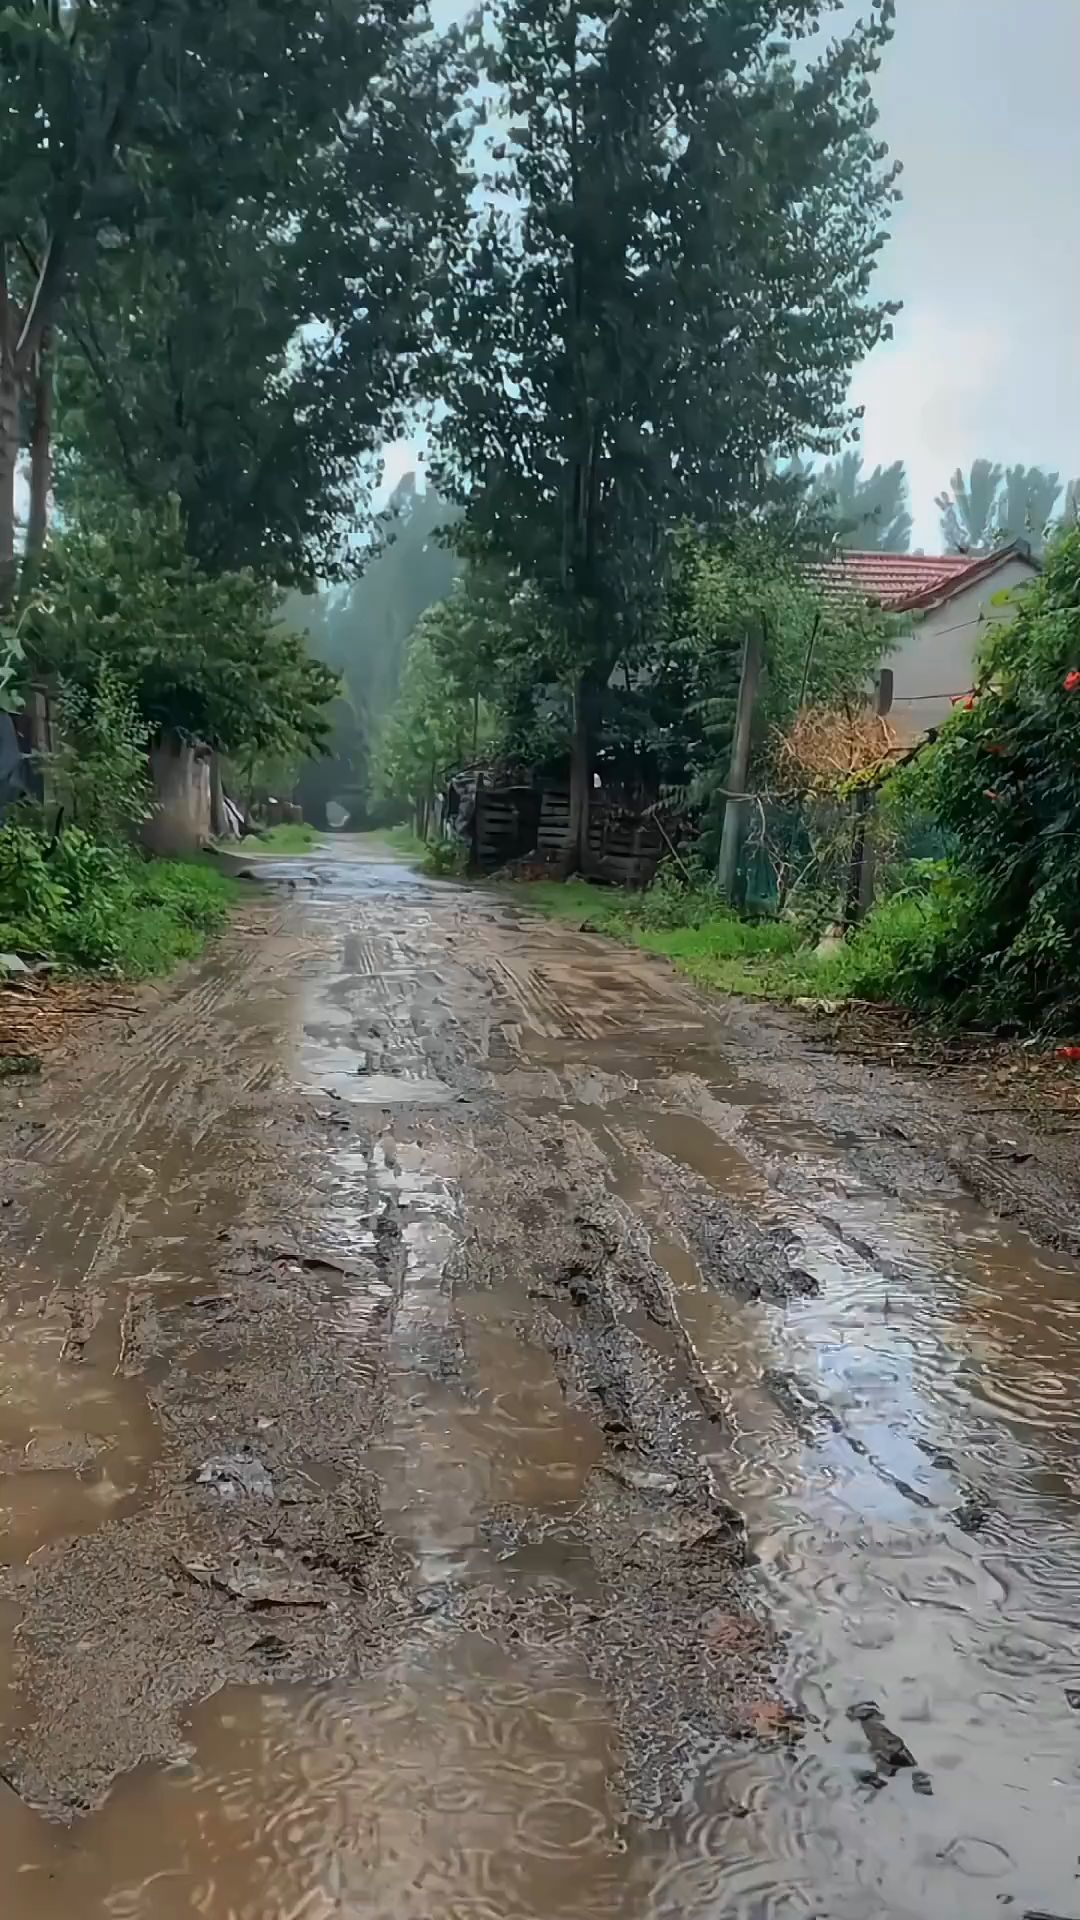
(470, 1777)
(904, 1448)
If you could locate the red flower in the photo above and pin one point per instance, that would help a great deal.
(1068, 1053)
(969, 703)
(1072, 680)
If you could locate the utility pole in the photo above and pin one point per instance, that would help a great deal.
(727, 866)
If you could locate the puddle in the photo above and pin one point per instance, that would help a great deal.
(466, 1783)
(904, 1448)
(932, 1401)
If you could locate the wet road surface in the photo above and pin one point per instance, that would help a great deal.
(901, 1442)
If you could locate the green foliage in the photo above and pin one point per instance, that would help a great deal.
(202, 655)
(817, 650)
(870, 510)
(97, 774)
(435, 726)
(403, 840)
(290, 837)
(362, 630)
(445, 859)
(362, 627)
(691, 928)
(998, 938)
(253, 360)
(229, 220)
(668, 285)
(901, 945)
(95, 907)
(993, 504)
(12, 662)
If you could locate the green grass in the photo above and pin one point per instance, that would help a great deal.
(94, 907)
(292, 837)
(764, 958)
(175, 907)
(403, 840)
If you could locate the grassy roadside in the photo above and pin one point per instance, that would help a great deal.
(404, 841)
(85, 906)
(292, 837)
(766, 959)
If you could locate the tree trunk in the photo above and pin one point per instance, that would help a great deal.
(735, 807)
(577, 828)
(37, 524)
(219, 823)
(9, 440)
(180, 821)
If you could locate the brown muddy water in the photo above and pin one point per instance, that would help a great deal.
(903, 1444)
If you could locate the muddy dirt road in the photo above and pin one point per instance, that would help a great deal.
(485, 1435)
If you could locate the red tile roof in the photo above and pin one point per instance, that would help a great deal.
(903, 581)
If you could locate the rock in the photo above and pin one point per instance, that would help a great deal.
(231, 1474)
(641, 1479)
(887, 1747)
(689, 1532)
(10, 963)
(922, 1783)
(971, 1514)
(257, 1586)
(435, 1598)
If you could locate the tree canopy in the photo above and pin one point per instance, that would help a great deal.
(203, 654)
(871, 510)
(669, 286)
(228, 214)
(1003, 939)
(992, 503)
(253, 362)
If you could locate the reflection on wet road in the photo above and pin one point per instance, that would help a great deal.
(903, 1444)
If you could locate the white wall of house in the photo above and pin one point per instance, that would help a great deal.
(937, 660)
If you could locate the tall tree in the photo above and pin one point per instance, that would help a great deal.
(969, 511)
(994, 504)
(434, 726)
(871, 510)
(362, 627)
(124, 125)
(669, 285)
(253, 361)
(1026, 508)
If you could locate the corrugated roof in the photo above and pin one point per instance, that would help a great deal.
(900, 582)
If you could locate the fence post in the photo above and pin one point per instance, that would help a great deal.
(862, 873)
(727, 865)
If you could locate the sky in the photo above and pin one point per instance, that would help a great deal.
(980, 101)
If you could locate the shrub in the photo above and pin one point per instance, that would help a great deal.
(445, 859)
(98, 774)
(93, 906)
(1000, 938)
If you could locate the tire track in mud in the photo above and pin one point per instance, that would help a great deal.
(621, 1259)
(163, 1295)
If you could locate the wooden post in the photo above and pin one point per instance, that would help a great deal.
(727, 866)
(862, 873)
(219, 819)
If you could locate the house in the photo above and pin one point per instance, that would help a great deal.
(952, 598)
